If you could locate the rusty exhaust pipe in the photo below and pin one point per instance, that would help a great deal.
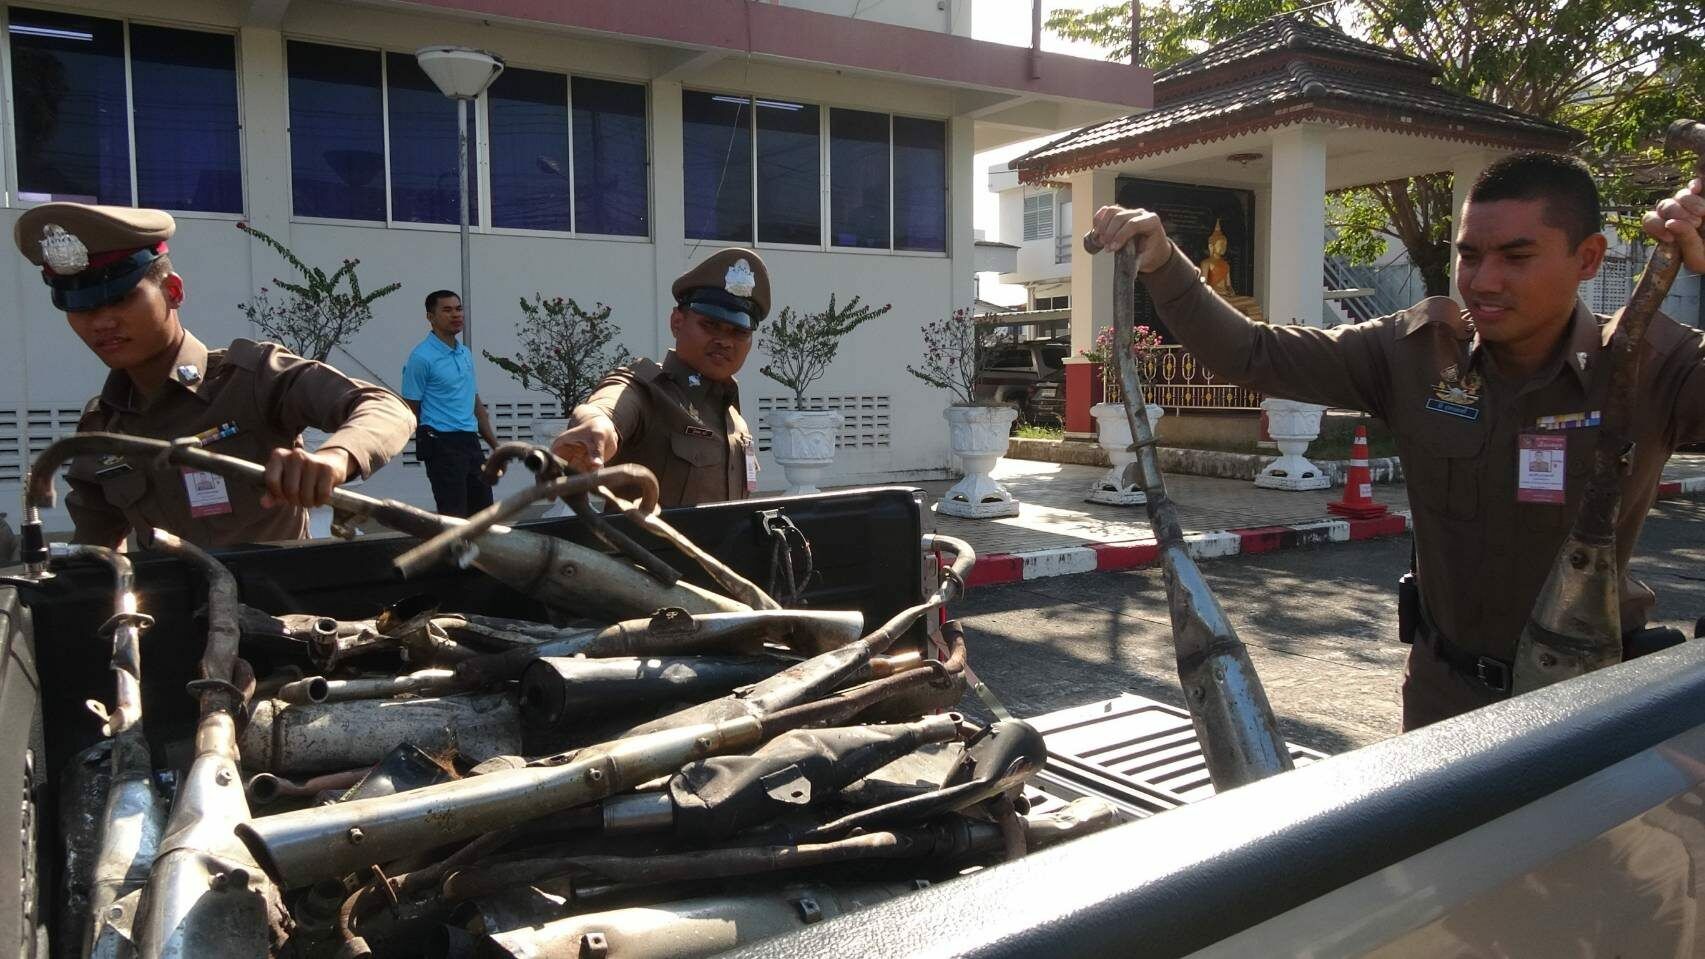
(1576, 623)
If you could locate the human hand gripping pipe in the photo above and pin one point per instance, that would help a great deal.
(1228, 706)
(558, 572)
(1576, 625)
(205, 895)
(134, 814)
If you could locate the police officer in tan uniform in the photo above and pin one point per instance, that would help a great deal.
(108, 269)
(1495, 404)
(681, 418)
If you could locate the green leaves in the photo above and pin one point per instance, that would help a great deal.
(802, 345)
(565, 350)
(318, 315)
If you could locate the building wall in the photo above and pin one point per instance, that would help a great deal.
(46, 375)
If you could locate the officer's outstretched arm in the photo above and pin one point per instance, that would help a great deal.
(588, 444)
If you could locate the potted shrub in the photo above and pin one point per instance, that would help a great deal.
(318, 314)
(978, 432)
(1112, 426)
(564, 352)
(801, 346)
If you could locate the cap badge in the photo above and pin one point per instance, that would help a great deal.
(189, 374)
(63, 253)
(740, 280)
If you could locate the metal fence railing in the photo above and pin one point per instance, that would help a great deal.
(1174, 379)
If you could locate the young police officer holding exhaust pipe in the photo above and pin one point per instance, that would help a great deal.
(1472, 393)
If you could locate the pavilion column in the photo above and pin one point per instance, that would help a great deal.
(1092, 294)
(1465, 168)
(1296, 246)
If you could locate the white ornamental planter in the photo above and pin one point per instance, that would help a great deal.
(978, 435)
(803, 442)
(547, 428)
(1113, 434)
(1293, 426)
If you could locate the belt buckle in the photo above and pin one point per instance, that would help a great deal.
(1492, 673)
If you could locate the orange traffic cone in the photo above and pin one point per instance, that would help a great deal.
(1358, 488)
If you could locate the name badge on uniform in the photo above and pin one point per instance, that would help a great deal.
(751, 465)
(700, 431)
(208, 495)
(112, 466)
(1541, 467)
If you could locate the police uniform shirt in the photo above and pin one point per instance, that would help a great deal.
(1482, 553)
(684, 427)
(248, 399)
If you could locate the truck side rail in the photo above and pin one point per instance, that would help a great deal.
(1178, 883)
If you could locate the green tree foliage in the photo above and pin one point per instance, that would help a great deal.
(802, 345)
(316, 315)
(565, 350)
(1617, 70)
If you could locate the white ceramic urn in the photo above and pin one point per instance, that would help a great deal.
(803, 443)
(1113, 434)
(978, 436)
(1293, 426)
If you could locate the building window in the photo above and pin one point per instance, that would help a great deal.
(530, 172)
(1039, 216)
(337, 132)
(611, 186)
(425, 184)
(75, 135)
(920, 184)
(858, 179)
(716, 168)
(756, 164)
(1052, 303)
(790, 188)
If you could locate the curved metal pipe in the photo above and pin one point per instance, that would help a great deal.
(560, 573)
(301, 847)
(265, 788)
(318, 689)
(1234, 722)
(1576, 623)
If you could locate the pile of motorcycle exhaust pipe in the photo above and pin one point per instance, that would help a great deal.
(662, 770)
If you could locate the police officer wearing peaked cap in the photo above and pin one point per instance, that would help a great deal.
(681, 418)
(109, 270)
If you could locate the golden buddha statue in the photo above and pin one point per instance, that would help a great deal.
(1216, 273)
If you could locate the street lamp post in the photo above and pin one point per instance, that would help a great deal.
(462, 74)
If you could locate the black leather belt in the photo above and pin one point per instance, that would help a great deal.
(1489, 671)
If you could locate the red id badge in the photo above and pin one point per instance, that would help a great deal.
(1541, 467)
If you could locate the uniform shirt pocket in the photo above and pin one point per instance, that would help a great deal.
(125, 489)
(1447, 472)
(698, 451)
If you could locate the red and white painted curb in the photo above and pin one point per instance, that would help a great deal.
(998, 568)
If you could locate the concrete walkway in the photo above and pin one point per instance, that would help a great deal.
(1057, 533)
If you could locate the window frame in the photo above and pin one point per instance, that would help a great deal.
(9, 190)
(1052, 198)
(826, 179)
(481, 181)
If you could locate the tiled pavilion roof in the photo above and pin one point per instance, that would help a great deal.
(1283, 71)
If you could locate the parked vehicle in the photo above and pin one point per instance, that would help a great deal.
(1572, 808)
(1030, 377)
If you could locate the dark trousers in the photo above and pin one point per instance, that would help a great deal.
(453, 463)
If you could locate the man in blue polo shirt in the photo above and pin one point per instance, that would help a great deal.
(438, 384)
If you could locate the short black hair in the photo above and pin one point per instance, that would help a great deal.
(1563, 182)
(159, 269)
(436, 295)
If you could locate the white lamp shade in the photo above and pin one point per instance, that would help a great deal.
(460, 73)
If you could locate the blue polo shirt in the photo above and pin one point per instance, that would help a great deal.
(441, 379)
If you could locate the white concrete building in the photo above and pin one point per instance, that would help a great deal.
(625, 140)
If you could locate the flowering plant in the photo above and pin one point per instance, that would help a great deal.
(954, 356)
(565, 350)
(316, 316)
(802, 345)
(1143, 342)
